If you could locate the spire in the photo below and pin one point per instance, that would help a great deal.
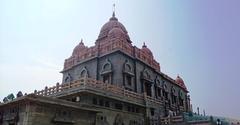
(113, 15)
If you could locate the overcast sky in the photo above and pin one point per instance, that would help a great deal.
(197, 39)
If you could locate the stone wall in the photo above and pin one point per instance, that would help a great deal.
(45, 112)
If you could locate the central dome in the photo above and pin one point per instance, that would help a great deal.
(116, 33)
(111, 24)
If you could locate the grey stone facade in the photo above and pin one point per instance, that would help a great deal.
(37, 110)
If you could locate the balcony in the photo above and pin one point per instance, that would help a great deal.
(97, 87)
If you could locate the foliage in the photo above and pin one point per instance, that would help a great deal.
(5, 99)
(10, 97)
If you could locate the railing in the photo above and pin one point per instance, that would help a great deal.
(176, 119)
(195, 117)
(165, 121)
(154, 100)
(172, 119)
(98, 85)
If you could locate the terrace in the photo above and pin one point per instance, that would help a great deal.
(98, 87)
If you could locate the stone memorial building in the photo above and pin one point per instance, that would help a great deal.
(110, 83)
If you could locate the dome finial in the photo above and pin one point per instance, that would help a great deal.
(144, 45)
(178, 76)
(81, 43)
(113, 15)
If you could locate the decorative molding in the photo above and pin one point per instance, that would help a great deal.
(145, 75)
(165, 88)
(181, 94)
(128, 68)
(158, 82)
(173, 91)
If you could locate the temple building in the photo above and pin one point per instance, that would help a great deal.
(110, 83)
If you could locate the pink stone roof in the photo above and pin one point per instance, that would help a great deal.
(180, 82)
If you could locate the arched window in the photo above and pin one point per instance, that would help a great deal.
(128, 67)
(181, 96)
(68, 78)
(84, 73)
(106, 72)
(165, 91)
(173, 94)
(118, 120)
(128, 76)
(147, 82)
(158, 88)
(107, 66)
(146, 75)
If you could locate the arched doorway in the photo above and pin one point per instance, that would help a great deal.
(118, 120)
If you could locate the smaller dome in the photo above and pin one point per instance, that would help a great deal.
(180, 82)
(146, 49)
(78, 48)
(116, 33)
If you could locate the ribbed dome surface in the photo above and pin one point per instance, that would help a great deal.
(116, 33)
(112, 23)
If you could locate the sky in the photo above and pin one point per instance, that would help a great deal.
(197, 39)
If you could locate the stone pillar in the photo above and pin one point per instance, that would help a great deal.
(46, 91)
(153, 94)
(189, 109)
(198, 110)
(143, 86)
(57, 87)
